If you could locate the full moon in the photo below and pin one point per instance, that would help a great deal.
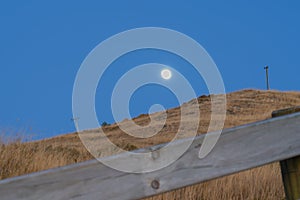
(166, 74)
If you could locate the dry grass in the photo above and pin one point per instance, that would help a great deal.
(259, 183)
(17, 158)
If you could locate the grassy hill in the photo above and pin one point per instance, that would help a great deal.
(17, 158)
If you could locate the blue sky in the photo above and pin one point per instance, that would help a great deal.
(43, 44)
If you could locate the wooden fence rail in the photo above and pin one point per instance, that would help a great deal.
(238, 149)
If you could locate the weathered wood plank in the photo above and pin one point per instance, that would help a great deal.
(290, 168)
(238, 149)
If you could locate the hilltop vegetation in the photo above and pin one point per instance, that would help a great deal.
(17, 158)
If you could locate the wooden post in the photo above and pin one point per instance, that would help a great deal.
(290, 168)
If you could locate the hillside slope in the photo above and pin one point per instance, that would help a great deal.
(242, 107)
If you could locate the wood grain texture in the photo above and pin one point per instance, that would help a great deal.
(238, 149)
(290, 168)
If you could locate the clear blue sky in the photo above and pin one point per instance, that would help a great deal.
(43, 44)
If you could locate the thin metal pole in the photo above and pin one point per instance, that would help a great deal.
(75, 120)
(267, 77)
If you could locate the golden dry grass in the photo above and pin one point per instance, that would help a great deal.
(17, 158)
(259, 183)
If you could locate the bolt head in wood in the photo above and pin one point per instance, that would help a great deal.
(155, 154)
(155, 184)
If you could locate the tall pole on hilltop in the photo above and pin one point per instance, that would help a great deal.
(75, 120)
(267, 77)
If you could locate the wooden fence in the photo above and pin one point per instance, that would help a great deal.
(238, 149)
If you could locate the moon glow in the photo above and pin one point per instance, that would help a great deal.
(166, 74)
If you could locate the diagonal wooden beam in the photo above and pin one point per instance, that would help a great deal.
(238, 149)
